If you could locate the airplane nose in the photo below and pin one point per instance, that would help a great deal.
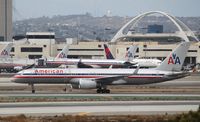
(13, 79)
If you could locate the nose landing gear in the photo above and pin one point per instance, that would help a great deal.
(32, 88)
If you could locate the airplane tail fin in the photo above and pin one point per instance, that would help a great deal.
(175, 59)
(131, 52)
(108, 53)
(63, 53)
(5, 52)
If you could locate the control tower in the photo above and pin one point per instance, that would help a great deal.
(5, 20)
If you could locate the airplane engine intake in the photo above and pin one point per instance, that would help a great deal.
(83, 84)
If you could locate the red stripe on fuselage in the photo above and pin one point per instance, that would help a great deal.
(145, 76)
(48, 76)
(73, 63)
(81, 76)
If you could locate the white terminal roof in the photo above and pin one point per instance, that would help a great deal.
(40, 33)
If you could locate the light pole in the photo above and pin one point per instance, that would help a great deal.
(104, 33)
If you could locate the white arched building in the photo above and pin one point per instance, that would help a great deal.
(184, 33)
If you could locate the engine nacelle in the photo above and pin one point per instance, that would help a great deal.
(83, 84)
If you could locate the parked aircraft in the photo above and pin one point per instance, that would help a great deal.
(53, 62)
(143, 62)
(9, 64)
(15, 64)
(87, 63)
(99, 79)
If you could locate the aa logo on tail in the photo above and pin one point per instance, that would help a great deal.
(62, 55)
(129, 55)
(4, 52)
(174, 59)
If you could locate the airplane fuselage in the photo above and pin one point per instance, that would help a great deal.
(104, 63)
(65, 76)
(101, 63)
(10, 63)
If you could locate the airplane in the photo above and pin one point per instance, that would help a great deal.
(87, 63)
(129, 55)
(9, 64)
(144, 63)
(53, 61)
(99, 79)
(15, 64)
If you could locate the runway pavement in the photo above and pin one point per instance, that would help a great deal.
(98, 95)
(190, 84)
(190, 81)
(117, 104)
(98, 107)
(177, 83)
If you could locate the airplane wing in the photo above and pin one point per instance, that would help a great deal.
(82, 65)
(108, 80)
(129, 64)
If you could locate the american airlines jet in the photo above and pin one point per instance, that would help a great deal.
(99, 79)
(16, 64)
(9, 64)
(144, 63)
(86, 63)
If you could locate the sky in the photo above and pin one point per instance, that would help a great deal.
(23, 9)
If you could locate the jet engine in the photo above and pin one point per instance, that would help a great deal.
(83, 84)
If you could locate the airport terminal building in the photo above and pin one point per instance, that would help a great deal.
(153, 44)
(44, 44)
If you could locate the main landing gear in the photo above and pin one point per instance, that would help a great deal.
(103, 90)
(32, 88)
(68, 88)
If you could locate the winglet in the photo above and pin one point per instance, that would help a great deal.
(175, 59)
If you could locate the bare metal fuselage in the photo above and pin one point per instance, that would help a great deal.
(7, 63)
(64, 76)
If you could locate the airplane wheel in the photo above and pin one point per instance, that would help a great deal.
(99, 90)
(65, 89)
(103, 91)
(33, 91)
(32, 88)
(107, 90)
